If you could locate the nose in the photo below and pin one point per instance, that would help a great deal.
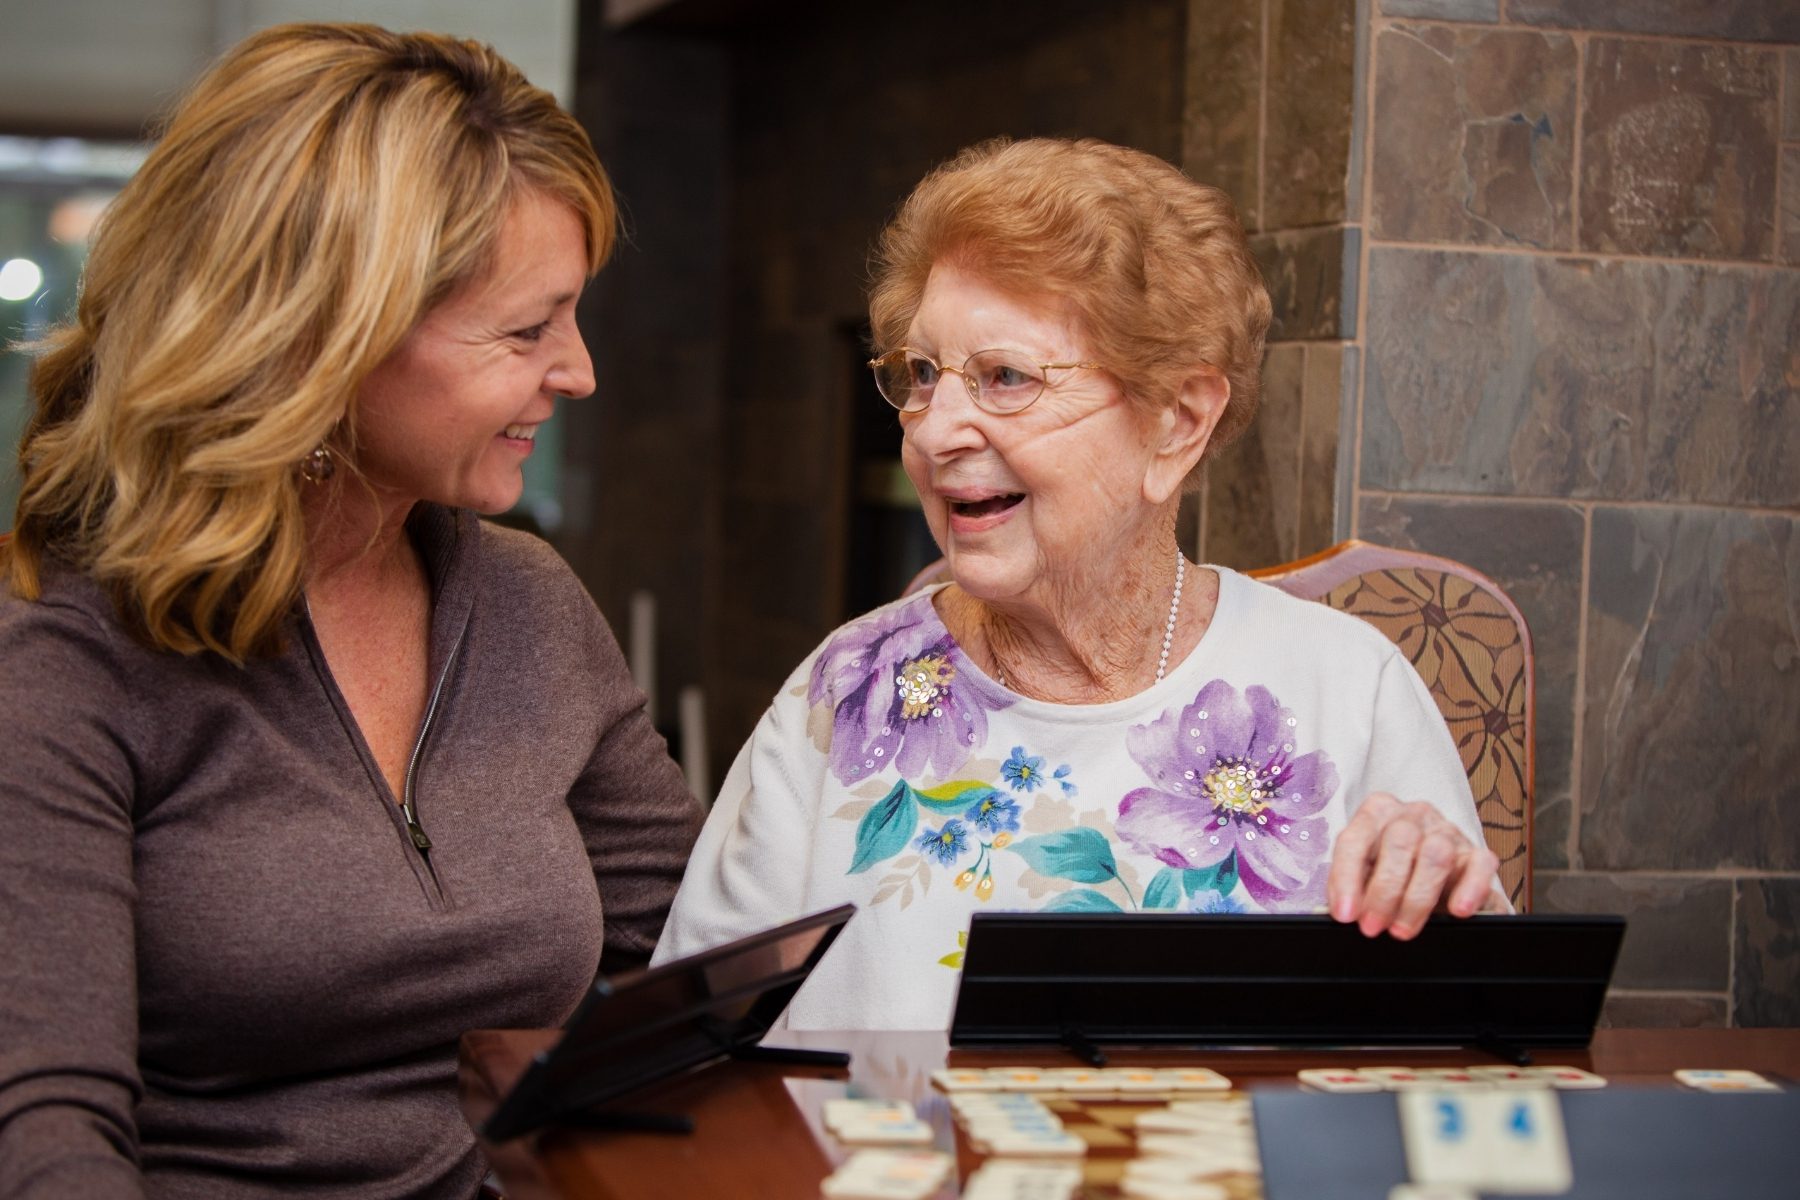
(968, 381)
(572, 374)
(949, 425)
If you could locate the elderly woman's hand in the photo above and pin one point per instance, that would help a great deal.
(1395, 863)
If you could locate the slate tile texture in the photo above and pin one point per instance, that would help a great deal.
(1766, 983)
(1444, 10)
(1306, 151)
(1474, 136)
(1621, 380)
(1651, 1010)
(1692, 691)
(1311, 276)
(1740, 20)
(1221, 114)
(1324, 402)
(1790, 91)
(1678, 928)
(1253, 485)
(1678, 149)
(1790, 201)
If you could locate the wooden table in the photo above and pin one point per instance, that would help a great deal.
(758, 1131)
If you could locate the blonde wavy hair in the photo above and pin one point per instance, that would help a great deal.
(310, 199)
(1156, 265)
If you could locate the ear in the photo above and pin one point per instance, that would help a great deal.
(1183, 431)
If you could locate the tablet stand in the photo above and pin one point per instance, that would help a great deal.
(652, 1025)
(1082, 1047)
(1081, 980)
(791, 1056)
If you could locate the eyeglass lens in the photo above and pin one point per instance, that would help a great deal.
(1000, 381)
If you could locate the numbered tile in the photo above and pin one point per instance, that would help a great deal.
(887, 1175)
(842, 1111)
(1132, 1080)
(1079, 1081)
(1713, 1080)
(1321, 1079)
(1022, 1079)
(1490, 1141)
(946, 1080)
(1192, 1079)
(877, 1131)
(1567, 1078)
(1057, 1144)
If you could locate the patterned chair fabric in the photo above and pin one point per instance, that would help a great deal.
(1470, 644)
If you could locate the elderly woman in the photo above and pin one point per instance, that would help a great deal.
(308, 770)
(1081, 720)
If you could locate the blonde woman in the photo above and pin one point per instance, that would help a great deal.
(308, 770)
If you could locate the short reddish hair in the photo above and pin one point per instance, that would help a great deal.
(1155, 265)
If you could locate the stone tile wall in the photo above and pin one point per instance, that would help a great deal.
(1268, 117)
(1580, 337)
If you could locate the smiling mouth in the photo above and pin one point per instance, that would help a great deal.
(524, 433)
(987, 507)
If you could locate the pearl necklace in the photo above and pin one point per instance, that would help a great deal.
(1168, 640)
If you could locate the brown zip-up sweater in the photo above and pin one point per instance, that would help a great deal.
(227, 967)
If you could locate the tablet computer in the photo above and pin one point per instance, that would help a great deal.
(1500, 982)
(648, 1025)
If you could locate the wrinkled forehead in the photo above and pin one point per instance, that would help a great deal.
(962, 311)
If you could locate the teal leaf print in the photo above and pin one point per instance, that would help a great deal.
(1221, 877)
(1080, 854)
(886, 828)
(1165, 889)
(1081, 900)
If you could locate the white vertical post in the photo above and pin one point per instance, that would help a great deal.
(692, 713)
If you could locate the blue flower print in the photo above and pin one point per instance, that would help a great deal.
(946, 844)
(1062, 776)
(1210, 901)
(1022, 772)
(994, 813)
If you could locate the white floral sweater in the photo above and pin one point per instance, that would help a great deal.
(892, 773)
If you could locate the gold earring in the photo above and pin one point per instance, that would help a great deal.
(318, 466)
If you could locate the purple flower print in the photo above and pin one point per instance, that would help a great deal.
(901, 696)
(1228, 776)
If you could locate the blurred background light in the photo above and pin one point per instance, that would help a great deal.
(20, 279)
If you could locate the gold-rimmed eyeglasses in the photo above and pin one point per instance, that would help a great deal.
(1002, 382)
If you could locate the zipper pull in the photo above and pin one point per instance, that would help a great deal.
(417, 832)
